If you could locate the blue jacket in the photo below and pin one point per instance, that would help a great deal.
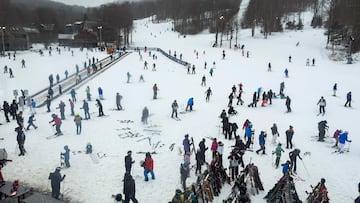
(348, 96)
(262, 139)
(343, 137)
(190, 101)
(186, 143)
(285, 168)
(100, 91)
(67, 154)
(248, 132)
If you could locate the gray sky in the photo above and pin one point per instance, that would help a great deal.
(86, 3)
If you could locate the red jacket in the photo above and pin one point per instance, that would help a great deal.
(149, 164)
(214, 146)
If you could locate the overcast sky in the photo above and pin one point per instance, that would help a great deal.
(87, 3)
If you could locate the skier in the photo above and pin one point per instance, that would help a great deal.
(214, 146)
(77, 120)
(290, 59)
(348, 99)
(11, 73)
(6, 109)
(51, 92)
(184, 173)
(51, 80)
(71, 107)
(128, 77)
(155, 90)
(234, 164)
(174, 107)
(289, 135)
(62, 110)
(269, 67)
(342, 138)
(286, 72)
(57, 124)
(145, 115)
(128, 162)
(203, 149)
(73, 95)
(239, 100)
(118, 101)
(48, 102)
(203, 81)
(249, 133)
(190, 104)
(56, 178)
(313, 62)
(322, 126)
(88, 95)
(148, 167)
(288, 103)
(211, 72)
(199, 161)
(336, 137)
(282, 87)
(293, 155)
(262, 137)
(20, 140)
(186, 144)
(31, 122)
(275, 133)
(193, 69)
(100, 92)
(66, 155)
(86, 109)
(269, 96)
(208, 92)
(99, 105)
(322, 104)
(277, 152)
(129, 188)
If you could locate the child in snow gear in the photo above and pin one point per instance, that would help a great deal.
(129, 188)
(190, 104)
(289, 135)
(56, 178)
(319, 193)
(286, 169)
(98, 103)
(322, 126)
(348, 99)
(128, 162)
(66, 155)
(322, 104)
(278, 151)
(31, 122)
(77, 120)
(57, 124)
(148, 167)
(145, 115)
(174, 107)
(20, 140)
(342, 138)
(293, 155)
(118, 101)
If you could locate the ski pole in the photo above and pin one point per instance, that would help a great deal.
(305, 168)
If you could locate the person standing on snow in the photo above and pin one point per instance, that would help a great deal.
(145, 115)
(277, 152)
(71, 107)
(129, 188)
(334, 89)
(118, 101)
(203, 81)
(262, 137)
(148, 167)
(128, 77)
(286, 167)
(128, 162)
(190, 104)
(57, 124)
(155, 90)
(77, 120)
(286, 72)
(348, 99)
(288, 103)
(88, 95)
(322, 127)
(31, 122)
(174, 107)
(208, 92)
(186, 144)
(100, 92)
(214, 146)
(203, 149)
(20, 138)
(73, 95)
(62, 110)
(322, 104)
(66, 155)
(293, 155)
(184, 173)
(342, 138)
(289, 135)
(275, 133)
(55, 182)
(99, 105)
(85, 107)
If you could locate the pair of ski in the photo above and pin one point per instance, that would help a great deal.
(54, 136)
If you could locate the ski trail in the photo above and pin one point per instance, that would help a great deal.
(242, 9)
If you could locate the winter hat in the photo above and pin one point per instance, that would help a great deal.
(66, 147)
(129, 152)
(178, 191)
(186, 135)
(58, 168)
(291, 127)
(322, 180)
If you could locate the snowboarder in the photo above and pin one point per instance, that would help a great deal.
(342, 138)
(77, 121)
(20, 140)
(190, 104)
(322, 104)
(118, 101)
(148, 167)
(293, 155)
(86, 109)
(31, 122)
(66, 155)
(71, 107)
(348, 99)
(208, 92)
(186, 144)
(289, 135)
(277, 152)
(128, 162)
(155, 90)
(62, 110)
(145, 115)
(100, 107)
(88, 95)
(262, 137)
(56, 179)
(129, 188)
(57, 123)
(73, 95)
(174, 107)
(288, 103)
(184, 173)
(100, 92)
(275, 133)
